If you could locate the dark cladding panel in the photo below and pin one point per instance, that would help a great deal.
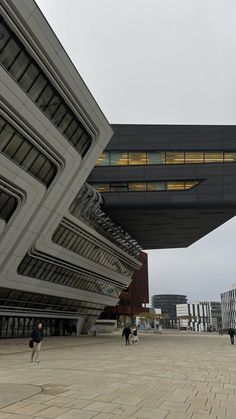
(205, 154)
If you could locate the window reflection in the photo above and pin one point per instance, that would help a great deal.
(230, 157)
(137, 159)
(174, 157)
(190, 185)
(145, 186)
(156, 186)
(137, 186)
(102, 187)
(103, 160)
(175, 186)
(118, 158)
(194, 157)
(155, 157)
(214, 157)
(116, 187)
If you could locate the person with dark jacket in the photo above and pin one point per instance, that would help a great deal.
(231, 333)
(126, 333)
(37, 337)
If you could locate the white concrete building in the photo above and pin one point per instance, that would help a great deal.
(228, 305)
(199, 316)
(61, 258)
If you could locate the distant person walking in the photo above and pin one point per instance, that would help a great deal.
(134, 335)
(126, 332)
(231, 333)
(220, 331)
(37, 337)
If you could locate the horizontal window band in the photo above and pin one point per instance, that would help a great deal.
(15, 59)
(86, 247)
(42, 270)
(34, 301)
(23, 152)
(76, 229)
(146, 158)
(151, 186)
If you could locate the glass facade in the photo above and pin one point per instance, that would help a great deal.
(25, 154)
(17, 61)
(22, 326)
(170, 185)
(90, 249)
(137, 158)
(39, 269)
(8, 205)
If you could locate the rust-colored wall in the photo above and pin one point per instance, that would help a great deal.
(138, 293)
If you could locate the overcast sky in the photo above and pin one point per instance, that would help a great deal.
(161, 61)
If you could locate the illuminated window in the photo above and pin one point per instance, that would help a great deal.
(137, 159)
(174, 157)
(156, 186)
(145, 186)
(103, 160)
(137, 186)
(119, 187)
(230, 157)
(172, 186)
(190, 185)
(118, 158)
(155, 157)
(134, 158)
(194, 157)
(213, 157)
(102, 187)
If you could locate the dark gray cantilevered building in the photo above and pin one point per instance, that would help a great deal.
(168, 185)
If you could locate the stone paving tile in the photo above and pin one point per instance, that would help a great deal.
(125, 410)
(172, 415)
(16, 416)
(77, 414)
(133, 401)
(14, 407)
(101, 407)
(78, 404)
(231, 411)
(52, 412)
(177, 376)
(218, 411)
(175, 406)
(144, 412)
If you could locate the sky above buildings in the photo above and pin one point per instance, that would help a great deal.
(157, 62)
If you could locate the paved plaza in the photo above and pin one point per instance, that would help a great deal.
(173, 375)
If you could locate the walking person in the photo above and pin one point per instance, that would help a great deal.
(37, 337)
(231, 333)
(126, 332)
(134, 335)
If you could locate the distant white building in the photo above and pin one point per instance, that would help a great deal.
(228, 307)
(199, 316)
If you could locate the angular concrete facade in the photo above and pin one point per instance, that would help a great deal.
(60, 260)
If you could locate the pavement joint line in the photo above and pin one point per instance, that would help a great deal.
(133, 375)
(24, 398)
